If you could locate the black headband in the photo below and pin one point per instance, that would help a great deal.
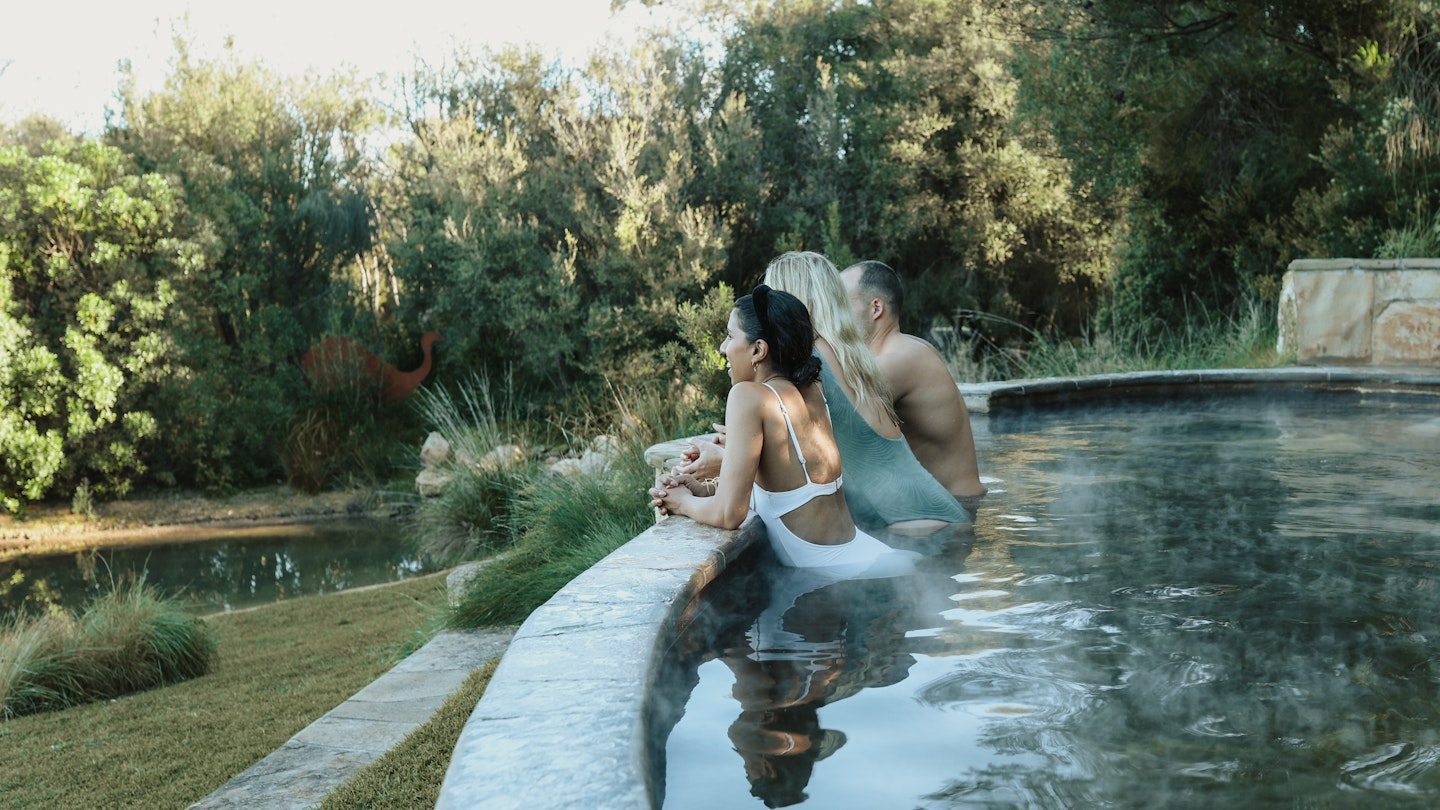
(760, 296)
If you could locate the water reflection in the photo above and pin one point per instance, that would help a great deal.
(1227, 605)
(815, 644)
(225, 571)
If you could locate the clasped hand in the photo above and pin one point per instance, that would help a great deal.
(701, 460)
(674, 490)
(704, 456)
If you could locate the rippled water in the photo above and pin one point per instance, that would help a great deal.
(219, 571)
(1233, 603)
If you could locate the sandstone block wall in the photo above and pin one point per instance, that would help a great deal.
(1383, 312)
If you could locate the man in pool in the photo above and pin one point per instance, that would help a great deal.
(933, 416)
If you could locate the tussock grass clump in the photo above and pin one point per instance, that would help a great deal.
(278, 668)
(486, 466)
(127, 640)
(563, 525)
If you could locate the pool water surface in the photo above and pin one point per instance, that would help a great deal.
(1232, 602)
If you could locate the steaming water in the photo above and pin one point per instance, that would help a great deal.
(1232, 603)
(222, 570)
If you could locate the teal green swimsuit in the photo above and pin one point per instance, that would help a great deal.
(884, 482)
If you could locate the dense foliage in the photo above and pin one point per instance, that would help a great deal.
(89, 247)
(1229, 138)
(1062, 169)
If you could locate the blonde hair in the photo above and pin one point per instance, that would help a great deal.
(815, 280)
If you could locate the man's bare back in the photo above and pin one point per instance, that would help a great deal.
(932, 412)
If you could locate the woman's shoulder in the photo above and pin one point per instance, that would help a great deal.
(749, 392)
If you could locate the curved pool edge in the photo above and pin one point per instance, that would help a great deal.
(565, 721)
(985, 397)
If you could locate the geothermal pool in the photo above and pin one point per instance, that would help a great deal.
(1227, 602)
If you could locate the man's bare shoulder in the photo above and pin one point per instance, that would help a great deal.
(911, 354)
(911, 366)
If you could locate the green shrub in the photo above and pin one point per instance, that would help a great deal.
(563, 525)
(697, 355)
(87, 245)
(127, 640)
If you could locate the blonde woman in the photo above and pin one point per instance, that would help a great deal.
(887, 486)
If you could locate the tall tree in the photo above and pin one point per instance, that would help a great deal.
(88, 246)
(273, 174)
(888, 132)
(560, 202)
(1198, 123)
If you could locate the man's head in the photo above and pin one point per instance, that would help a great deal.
(875, 294)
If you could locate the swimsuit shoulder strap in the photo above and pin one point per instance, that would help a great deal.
(791, 427)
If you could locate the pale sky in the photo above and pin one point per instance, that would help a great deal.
(59, 57)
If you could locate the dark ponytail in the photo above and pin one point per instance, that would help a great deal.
(778, 318)
(807, 372)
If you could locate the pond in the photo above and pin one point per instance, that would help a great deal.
(224, 570)
(1221, 603)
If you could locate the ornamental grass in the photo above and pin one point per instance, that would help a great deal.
(127, 640)
(278, 669)
(559, 526)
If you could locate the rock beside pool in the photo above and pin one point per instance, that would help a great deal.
(431, 482)
(595, 460)
(434, 451)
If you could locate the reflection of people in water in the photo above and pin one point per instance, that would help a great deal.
(780, 749)
(815, 643)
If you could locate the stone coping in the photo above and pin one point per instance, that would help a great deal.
(985, 397)
(566, 721)
(1309, 265)
(359, 731)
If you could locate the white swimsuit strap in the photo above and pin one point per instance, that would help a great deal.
(791, 427)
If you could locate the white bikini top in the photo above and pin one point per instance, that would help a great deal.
(773, 505)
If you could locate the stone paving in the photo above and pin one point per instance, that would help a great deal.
(359, 731)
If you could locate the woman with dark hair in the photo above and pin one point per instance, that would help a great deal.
(780, 453)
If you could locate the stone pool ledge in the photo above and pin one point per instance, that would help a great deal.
(565, 721)
(985, 397)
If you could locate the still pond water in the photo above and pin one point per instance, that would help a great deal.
(219, 571)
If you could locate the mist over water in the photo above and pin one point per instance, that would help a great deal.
(1229, 603)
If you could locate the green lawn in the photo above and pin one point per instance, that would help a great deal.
(279, 668)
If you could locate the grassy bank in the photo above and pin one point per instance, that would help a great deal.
(1242, 339)
(279, 668)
